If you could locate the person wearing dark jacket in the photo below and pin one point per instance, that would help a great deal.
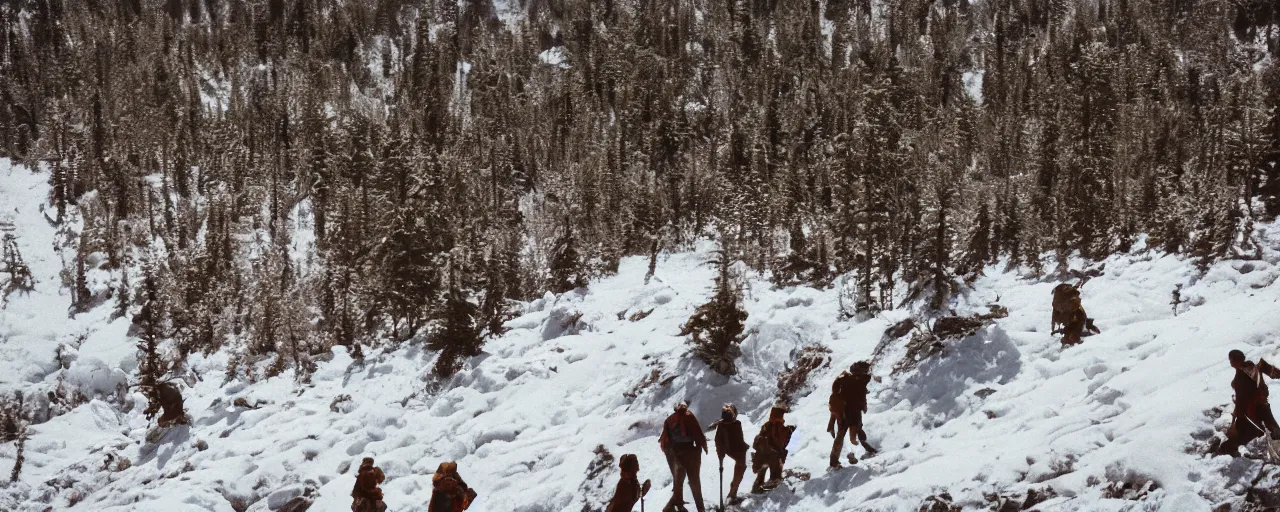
(681, 440)
(771, 449)
(449, 493)
(366, 496)
(730, 442)
(629, 488)
(848, 403)
(1253, 411)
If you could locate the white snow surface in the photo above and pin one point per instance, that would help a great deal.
(522, 420)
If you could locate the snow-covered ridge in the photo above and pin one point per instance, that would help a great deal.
(1000, 413)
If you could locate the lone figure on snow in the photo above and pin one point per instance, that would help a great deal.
(449, 493)
(848, 403)
(1069, 313)
(1253, 411)
(366, 496)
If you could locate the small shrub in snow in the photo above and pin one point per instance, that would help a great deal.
(717, 326)
(793, 380)
(342, 404)
(648, 380)
(1122, 483)
(940, 502)
(595, 488)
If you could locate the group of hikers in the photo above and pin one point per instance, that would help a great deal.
(683, 442)
(449, 493)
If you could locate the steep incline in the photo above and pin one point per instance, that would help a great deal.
(1128, 406)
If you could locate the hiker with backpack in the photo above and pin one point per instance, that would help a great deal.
(1068, 312)
(1253, 410)
(771, 449)
(680, 441)
(366, 496)
(629, 489)
(847, 404)
(730, 441)
(449, 493)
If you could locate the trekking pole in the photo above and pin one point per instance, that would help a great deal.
(721, 485)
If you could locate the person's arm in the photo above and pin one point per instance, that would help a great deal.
(1267, 369)
(701, 438)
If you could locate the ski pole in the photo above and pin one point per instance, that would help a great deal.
(722, 485)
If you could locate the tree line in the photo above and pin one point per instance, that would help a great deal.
(288, 175)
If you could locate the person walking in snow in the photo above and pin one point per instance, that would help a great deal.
(629, 489)
(1069, 313)
(731, 442)
(1253, 411)
(680, 441)
(170, 399)
(366, 496)
(449, 493)
(847, 404)
(771, 449)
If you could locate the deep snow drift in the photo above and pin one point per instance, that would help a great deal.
(998, 413)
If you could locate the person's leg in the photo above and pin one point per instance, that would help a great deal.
(693, 470)
(775, 470)
(837, 446)
(739, 469)
(677, 478)
(758, 486)
(1244, 431)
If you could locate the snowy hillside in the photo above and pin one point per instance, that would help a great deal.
(1000, 413)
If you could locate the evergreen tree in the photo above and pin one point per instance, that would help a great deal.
(567, 272)
(716, 328)
(459, 338)
(150, 326)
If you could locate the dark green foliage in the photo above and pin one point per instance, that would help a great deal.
(903, 148)
(717, 326)
(150, 326)
(459, 337)
(567, 272)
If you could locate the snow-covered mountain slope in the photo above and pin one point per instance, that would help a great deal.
(1002, 412)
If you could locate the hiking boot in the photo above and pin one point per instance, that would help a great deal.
(757, 489)
(835, 464)
(852, 459)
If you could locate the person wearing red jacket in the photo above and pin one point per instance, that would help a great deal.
(1253, 411)
(365, 495)
(680, 441)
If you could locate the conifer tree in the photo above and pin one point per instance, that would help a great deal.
(567, 271)
(716, 328)
(149, 324)
(459, 338)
